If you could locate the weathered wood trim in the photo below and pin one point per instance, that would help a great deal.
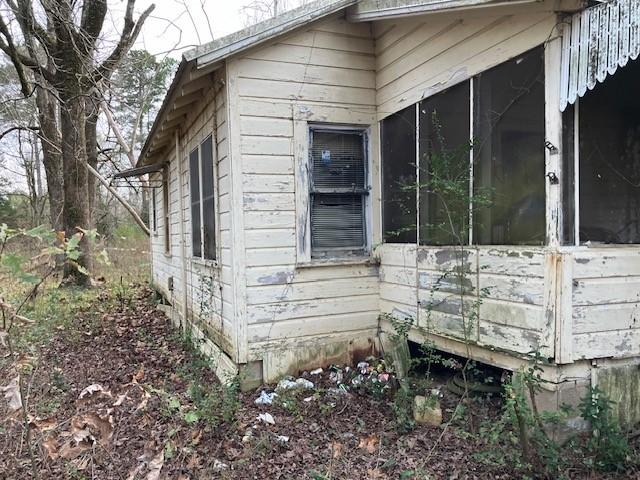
(553, 135)
(301, 160)
(237, 213)
(183, 253)
(564, 314)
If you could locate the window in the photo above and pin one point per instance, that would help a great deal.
(201, 179)
(500, 155)
(398, 133)
(154, 211)
(509, 151)
(603, 162)
(165, 211)
(338, 191)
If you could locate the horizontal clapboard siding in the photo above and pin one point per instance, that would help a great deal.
(420, 283)
(208, 288)
(330, 64)
(606, 302)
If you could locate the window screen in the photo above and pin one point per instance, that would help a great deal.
(399, 210)
(208, 206)
(194, 181)
(201, 178)
(338, 191)
(509, 149)
(444, 142)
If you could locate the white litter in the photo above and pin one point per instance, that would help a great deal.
(308, 399)
(218, 466)
(317, 371)
(302, 383)
(282, 439)
(265, 398)
(266, 418)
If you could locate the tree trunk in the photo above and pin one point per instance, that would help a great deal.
(92, 110)
(76, 187)
(51, 155)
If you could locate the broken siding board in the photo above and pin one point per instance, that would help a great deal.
(527, 317)
(287, 273)
(511, 339)
(606, 262)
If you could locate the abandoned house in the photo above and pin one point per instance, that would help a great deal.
(282, 231)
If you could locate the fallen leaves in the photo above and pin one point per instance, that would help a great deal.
(369, 443)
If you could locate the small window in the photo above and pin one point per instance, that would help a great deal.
(154, 211)
(338, 192)
(165, 211)
(398, 133)
(201, 179)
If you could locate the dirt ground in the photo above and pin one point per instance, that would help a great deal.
(117, 394)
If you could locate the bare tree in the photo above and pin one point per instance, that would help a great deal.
(62, 53)
(260, 10)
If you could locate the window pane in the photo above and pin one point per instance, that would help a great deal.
(337, 222)
(154, 209)
(509, 149)
(445, 167)
(208, 206)
(194, 181)
(338, 160)
(609, 134)
(398, 145)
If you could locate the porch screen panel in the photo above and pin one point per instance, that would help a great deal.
(509, 151)
(194, 181)
(444, 143)
(338, 190)
(399, 208)
(208, 202)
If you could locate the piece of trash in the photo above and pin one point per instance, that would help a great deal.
(266, 418)
(218, 466)
(363, 366)
(317, 371)
(383, 377)
(248, 435)
(282, 439)
(308, 399)
(339, 391)
(287, 384)
(336, 377)
(265, 398)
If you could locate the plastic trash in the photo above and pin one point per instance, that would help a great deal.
(265, 398)
(302, 383)
(317, 371)
(282, 439)
(266, 418)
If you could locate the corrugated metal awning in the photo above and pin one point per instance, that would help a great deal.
(595, 42)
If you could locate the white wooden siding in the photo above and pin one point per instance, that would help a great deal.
(511, 314)
(208, 286)
(606, 302)
(329, 68)
(419, 56)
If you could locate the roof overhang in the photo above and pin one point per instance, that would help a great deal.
(256, 34)
(370, 10)
(138, 171)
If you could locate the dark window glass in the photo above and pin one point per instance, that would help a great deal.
(609, 134)
(509, 151)
(398, 143)
(154, 210)
(194, 181)
(208, 206)
(444, 143)
(338, 191)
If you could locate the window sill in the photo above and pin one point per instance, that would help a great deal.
(200, 262)
(338, 262)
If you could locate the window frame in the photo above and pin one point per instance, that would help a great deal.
(166, 209)
(215, 234)
(154, 210)
(305, 190)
